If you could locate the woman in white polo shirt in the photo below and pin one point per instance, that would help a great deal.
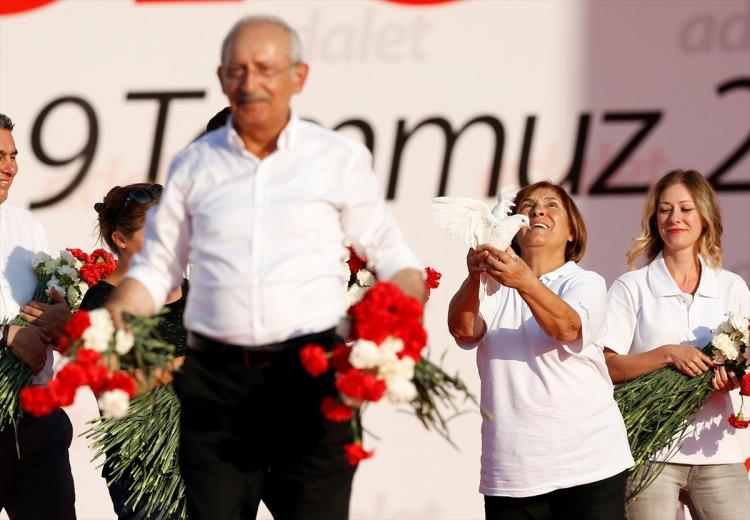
(660, 315)
(556, 446)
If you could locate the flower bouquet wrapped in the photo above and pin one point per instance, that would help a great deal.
(113, 363)
(658, 408)
(384, 359)
(69, 275)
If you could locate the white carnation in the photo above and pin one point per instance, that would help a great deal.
(98, 335)
(355, 294)
(364, 354)
(73, 296)
(391, 367)
(70, 259)
(66, 270)
(392, 344)
(365, 277)
(38, 259)
(54, 283)
(401, 390)
(50, 266)
(730, 349)
(114, 403)
(123, 342)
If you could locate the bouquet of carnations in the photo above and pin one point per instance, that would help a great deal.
(112, 362)
(383, 358)
(69, 275)
(658, 408)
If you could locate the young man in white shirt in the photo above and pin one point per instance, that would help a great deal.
(38, 484)
(262, 209)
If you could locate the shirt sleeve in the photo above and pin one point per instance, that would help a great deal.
(368, 224)
(621, 318)
(587, 295)
(161, 262)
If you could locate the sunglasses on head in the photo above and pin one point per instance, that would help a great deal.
(140, 196)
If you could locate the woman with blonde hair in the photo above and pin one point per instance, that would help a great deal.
(662, 315)
(556, 446)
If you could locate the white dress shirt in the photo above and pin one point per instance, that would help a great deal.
(265, 239)
(21, 236)
(556, 424)
(647, 309)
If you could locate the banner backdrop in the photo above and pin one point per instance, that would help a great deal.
(462, 98)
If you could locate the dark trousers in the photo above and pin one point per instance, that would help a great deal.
(39, 484)
(601, 500)
(252, 429)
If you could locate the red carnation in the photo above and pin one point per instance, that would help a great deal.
(351, 383)
(355, 453)
(738, 421)
(62, 392)
(87, 356)
(340, 358)
(335, 411)
(374, 388)
(433, 278)
(745, 385)
(104, 262)
(90, 274)
(355, 262)
(77, 324)
(72, 375)
(37, 401)
(80, 255)
(314, 360)
(121, 380)
(383, 311)
(96, 377)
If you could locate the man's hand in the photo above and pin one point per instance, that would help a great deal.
(29, 344)
(50, 317)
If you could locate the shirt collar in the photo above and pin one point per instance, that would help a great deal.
(662, 284)
(558, 273)
(285, 142)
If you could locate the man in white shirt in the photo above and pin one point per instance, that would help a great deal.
(38, 484)
(261, 209)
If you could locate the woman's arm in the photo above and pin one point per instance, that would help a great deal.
(558, 319)
(465, 322)
(688, 360)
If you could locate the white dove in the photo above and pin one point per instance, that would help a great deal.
(472, 221)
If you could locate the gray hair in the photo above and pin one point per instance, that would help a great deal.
(6, 123)
(295, 44)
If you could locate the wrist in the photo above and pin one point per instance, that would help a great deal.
(666, 355)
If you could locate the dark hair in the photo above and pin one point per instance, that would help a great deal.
(6, 123)
(131, 216)
(575, 249)
(219, 120)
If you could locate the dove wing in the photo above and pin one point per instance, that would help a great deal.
(468, 219)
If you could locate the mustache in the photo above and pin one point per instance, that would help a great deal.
(248, 97)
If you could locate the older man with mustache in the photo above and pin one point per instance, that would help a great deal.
(262, 209)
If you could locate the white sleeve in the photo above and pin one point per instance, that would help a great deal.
(160, 264)
(621, 318)
(587, 295)
(368, 224)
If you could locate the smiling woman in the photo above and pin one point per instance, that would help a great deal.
(542, 370)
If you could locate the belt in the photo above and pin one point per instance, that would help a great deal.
(254, 356)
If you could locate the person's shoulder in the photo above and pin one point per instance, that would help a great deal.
(17, 213)
(633, 278)
(201, 150)
(331, 139)
(730, 280)
(97, 295)
(20, 218)
(572, 271)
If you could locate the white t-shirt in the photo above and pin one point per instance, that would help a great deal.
(21, 236)
(555, 423)
(646, 309)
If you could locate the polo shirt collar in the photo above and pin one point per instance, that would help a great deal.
(662, 284)
(558, 273)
